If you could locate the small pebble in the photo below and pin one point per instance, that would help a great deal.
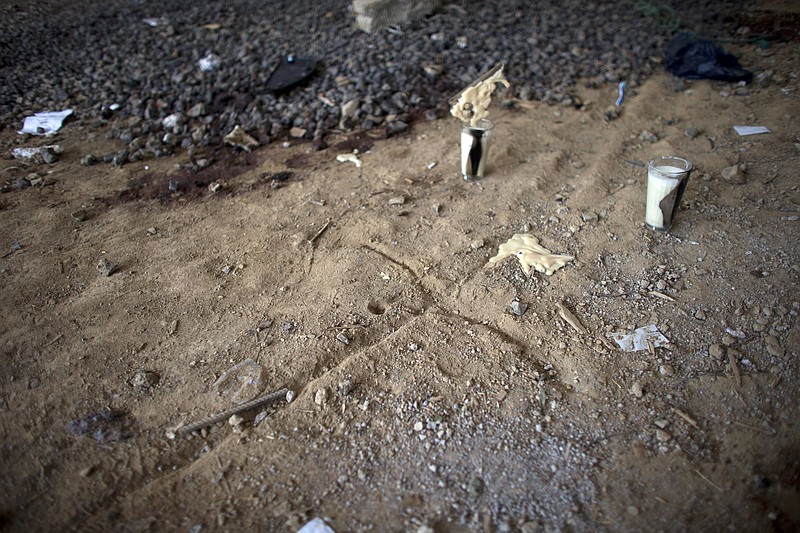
(518, 308)
(648, 136)
(321, 396)
(663, 435)
(636, 389)
(734, 174)
(716, 351)
(106, 267)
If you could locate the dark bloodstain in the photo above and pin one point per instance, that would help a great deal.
(358, 142)
(770, 25)
(186, 184)
(297, 161)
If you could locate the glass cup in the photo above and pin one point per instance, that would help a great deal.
(666, 180)
(475, 143)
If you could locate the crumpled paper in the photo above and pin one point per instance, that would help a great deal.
(316, 525)
(44, 123)
(638, 340)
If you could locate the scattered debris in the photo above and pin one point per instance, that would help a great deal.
(240, 383)
(105, 427)
(640, 339)
(46, 154)
(530, 254)
(239, 138)
(44, 123)
(283, 394)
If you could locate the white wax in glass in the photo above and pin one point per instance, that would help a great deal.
(466, 146)
(659, 185)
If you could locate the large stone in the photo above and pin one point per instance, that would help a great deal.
(374, 15)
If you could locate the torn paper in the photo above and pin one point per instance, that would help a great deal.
(44, 123)
(640, 339)
(349, 158)
(317, 525)
(751, 130)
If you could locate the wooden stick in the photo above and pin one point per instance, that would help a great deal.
(54, 340)
(252, 404)
(737, 378)
(769, 431)
(662, 296)
(686, 417)
(709, 481)
(569, 318)
(320, 232)
(222, 478)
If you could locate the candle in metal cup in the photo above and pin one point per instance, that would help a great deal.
(666, 181)
(475, 143)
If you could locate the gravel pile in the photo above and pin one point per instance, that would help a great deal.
(137, 63)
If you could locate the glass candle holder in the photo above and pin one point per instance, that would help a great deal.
(666, 180)
(475, 142)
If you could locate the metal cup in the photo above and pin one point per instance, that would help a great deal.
(475, 141)
(666, 180)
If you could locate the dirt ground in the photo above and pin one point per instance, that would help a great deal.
(422, 401)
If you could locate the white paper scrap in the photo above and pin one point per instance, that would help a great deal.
(637, 341)
(317, 525)
(751, 130)
(45, 123)
(349, 158)
(28, 153)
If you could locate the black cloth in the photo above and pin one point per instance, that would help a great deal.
(688, 57)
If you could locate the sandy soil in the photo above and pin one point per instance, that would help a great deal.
(422, 400)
